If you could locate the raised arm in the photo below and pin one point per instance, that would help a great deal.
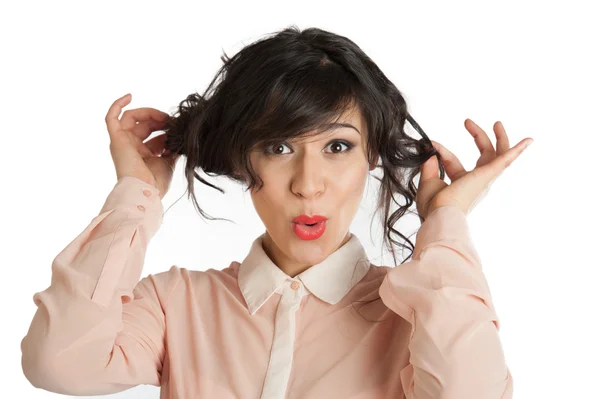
(455, 349)
(98, 329)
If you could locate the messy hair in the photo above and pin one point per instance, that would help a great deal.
(295, 83)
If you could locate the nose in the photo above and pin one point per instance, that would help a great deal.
(309, 180)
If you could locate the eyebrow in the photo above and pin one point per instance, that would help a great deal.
(334, 125)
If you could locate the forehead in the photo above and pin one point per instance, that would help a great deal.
(354, 117)
(350, 120)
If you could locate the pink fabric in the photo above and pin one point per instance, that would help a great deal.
(99, 329)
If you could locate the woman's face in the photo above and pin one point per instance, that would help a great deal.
(319, 175)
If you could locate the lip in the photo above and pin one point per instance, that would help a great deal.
(305, 219)
(307, 233)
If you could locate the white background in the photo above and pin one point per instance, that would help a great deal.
(532, 65)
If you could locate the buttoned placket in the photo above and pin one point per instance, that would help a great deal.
(282, 350)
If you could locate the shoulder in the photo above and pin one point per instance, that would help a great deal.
(372, 279)
(180, 278)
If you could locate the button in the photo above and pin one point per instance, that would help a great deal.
(295, 285)
(147, 193)
(141, 207)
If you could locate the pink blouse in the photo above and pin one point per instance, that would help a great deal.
(250, 331)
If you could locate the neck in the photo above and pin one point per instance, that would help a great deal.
(290, 266)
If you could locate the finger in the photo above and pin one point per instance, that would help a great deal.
(482, 141)
(132, 116)
(145, 128)
(452, 164)
(112, 116)
(144, 151)
(493, 169)
(502, 143)
(429, 169)
(429, 183)
(157, 144)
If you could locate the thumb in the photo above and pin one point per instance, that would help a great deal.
(429, 169)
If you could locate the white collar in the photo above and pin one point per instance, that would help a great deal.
(330, 280)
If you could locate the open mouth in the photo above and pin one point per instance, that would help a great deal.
(310, 231)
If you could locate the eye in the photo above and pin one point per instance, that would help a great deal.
(334, 144)
(276, 147)
(337, 144)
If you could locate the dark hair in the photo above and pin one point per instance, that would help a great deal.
(290, 83)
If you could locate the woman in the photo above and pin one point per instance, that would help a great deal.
(300, 118)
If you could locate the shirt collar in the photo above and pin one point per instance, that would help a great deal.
(330, 280)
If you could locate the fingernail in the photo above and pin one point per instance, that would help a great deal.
(527, 144)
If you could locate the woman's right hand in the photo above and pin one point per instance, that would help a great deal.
(133, 157)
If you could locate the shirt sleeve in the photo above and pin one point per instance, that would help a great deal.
(455, 350)
(98, 329)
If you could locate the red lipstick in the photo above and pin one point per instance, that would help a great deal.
(304, 219)
(309, 227)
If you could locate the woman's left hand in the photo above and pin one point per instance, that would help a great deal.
(466, 188)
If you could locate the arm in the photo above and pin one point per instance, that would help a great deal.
(98, 329)
(455, 350)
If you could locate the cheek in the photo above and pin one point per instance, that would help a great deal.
(349, 188)
(265, 198)
(269, 201)
(351, 181)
